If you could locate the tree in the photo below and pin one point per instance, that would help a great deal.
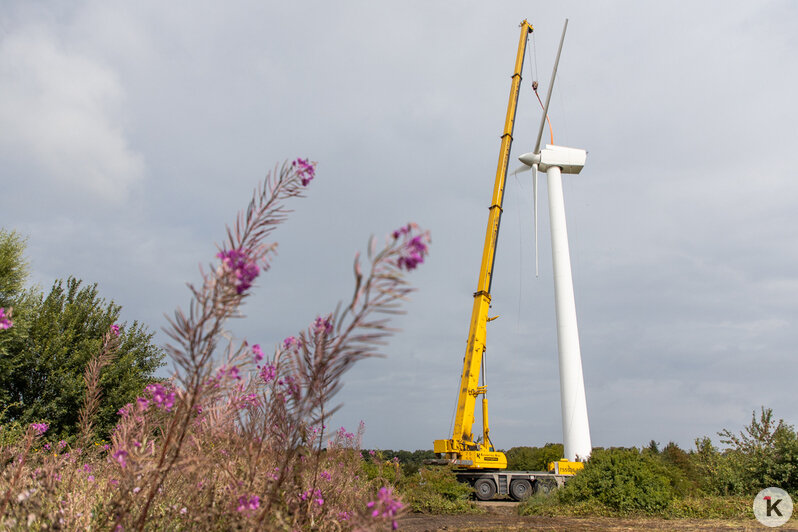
(533, 458)
(44, 355)
(765, 453)
(15, 300)
(13, 267)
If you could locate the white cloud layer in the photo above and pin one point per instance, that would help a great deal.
(61, 118)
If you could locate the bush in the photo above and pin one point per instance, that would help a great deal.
(624, 480)
(533, 458)
(436, 490)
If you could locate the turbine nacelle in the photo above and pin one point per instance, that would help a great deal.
(569, 160)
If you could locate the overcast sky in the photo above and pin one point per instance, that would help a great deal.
(131, 133)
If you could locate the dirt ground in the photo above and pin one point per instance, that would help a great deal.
(502, 515)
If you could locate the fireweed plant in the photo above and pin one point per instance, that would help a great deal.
(237, 439)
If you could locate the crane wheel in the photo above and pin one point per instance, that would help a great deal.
(544, 486)
(485, 489)
(520, 489)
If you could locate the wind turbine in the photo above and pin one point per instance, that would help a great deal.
(555, 161)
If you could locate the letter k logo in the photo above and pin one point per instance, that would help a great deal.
(772, 507)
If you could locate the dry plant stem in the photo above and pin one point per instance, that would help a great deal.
(29, 437)
(91, 378)
(214, 303)
(325, 364)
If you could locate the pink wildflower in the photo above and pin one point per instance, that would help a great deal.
(121, 457)
(5, 321)
(115, 329)
(239, 268)
(248, 401)
(386, 506)
(268, 372)
(143, 403)
(322, 325)
(306, 170)
(257, 352)
(40, 428)
(161, 396)
(290, 342)
(325, 475)
(414, 248)
(248, 503)
(229, 372)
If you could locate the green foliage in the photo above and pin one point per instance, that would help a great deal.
(13, 268)
(764, 453)
(376, 467)
(710, 507)
(693, 507)
(533, 458)
(437, 490)
(551, 506)
(44, 355)
(15, 300)
(624, 480)
(44, 377)
(675, 457)
(410, 461)
(10, 432)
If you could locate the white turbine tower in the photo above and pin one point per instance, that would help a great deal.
(555, 161)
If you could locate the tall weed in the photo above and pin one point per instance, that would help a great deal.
(237, 439)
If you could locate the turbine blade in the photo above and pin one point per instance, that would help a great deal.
(551, 86)
(522, 168)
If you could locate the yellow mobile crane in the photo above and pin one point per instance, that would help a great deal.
(479, 463)
(461, 447)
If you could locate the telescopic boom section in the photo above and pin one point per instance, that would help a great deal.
(461, 447)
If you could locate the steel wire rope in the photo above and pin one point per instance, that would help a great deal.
(456, 400)
(485, 384)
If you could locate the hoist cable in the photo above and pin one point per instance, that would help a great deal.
(551, 131)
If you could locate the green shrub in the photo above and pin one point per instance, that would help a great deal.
(376, 467)
(437, 490)
(624, 480)
(764, 453)
(533, 458)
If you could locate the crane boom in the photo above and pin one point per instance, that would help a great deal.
(461, 448)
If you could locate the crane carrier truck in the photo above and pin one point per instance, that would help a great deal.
(478, 462)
